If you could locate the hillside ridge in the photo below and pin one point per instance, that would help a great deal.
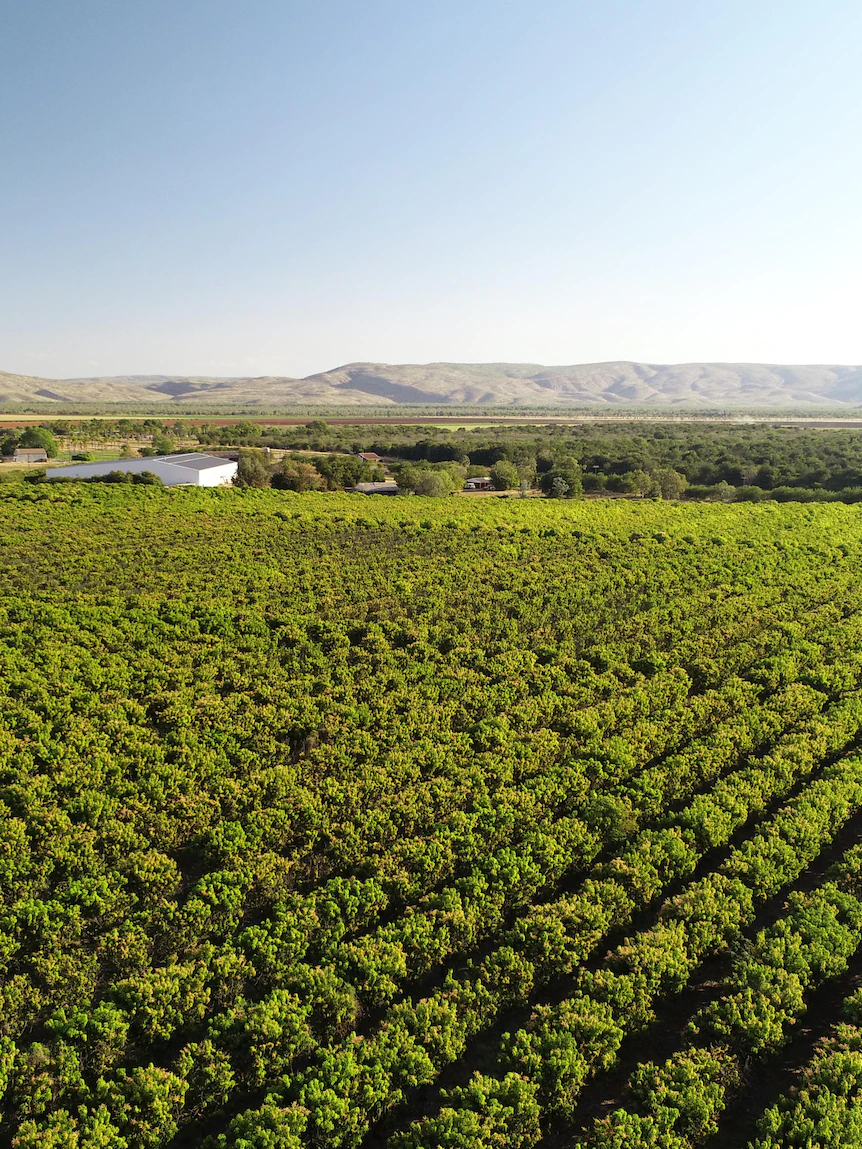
(597, 385)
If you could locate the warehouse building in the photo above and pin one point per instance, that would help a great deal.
(193, 469)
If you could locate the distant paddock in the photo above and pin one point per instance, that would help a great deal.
(451, 421)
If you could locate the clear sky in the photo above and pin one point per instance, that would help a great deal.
(274, 187)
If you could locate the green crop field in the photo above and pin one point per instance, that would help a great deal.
(349, 823)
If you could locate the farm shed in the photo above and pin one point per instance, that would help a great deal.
(377, 489)
(30, 455)
(192, 469)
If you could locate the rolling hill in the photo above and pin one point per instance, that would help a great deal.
(595, 385)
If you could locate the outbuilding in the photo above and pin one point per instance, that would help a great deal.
(478, 483)
(30, 455)
(192, 469)
(377, 489)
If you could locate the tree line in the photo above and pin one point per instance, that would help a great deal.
(699, 460)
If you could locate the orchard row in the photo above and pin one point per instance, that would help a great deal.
(345, 823)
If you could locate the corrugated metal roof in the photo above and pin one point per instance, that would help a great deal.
(376, 488)
(165, 466)
(193, 460)
(188, 462)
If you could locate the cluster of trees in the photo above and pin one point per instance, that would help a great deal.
(435, 480)
(110, 430)
(35, 437)
(136, 478)
(303, 473)
(760, 1001)
(564, 479)
(717, 460)
(826, 1106)
(308, 798)
(565, 1044)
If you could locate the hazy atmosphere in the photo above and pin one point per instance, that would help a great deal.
(279, 188)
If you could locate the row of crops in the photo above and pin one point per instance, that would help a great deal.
(350, 823)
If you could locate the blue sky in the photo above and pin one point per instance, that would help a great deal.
(273, 187)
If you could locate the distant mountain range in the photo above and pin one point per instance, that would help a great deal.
(594, 385)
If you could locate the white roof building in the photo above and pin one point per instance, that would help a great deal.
(193, 469)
